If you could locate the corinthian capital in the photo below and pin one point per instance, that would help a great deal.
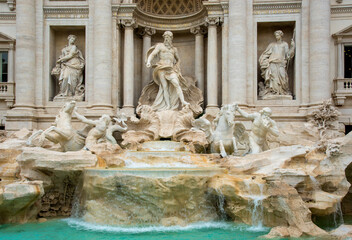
(147, 31)
(198, 30)
(128, 22)
(213, 20)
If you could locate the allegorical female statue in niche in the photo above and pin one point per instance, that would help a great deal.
(273, 65)
(69, 72)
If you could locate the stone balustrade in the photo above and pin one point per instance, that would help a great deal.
(342, 90)
(7, 92)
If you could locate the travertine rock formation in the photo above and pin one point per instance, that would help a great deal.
(40, 164)
(291, 183)
(19, 201)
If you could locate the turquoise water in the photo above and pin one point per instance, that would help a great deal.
(72, 229)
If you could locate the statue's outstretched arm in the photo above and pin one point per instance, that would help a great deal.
(245, 114)
(84, 119)
(274, 130)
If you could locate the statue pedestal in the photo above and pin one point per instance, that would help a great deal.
(68, 99)
(277, 97)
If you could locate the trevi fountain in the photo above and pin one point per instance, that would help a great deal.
(160, 119)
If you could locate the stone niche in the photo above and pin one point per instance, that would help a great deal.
(184, 41)
(265, 36)
(58, 40)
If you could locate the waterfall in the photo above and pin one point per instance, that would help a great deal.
(338, 216)
(76, 210)
(315, 182)
(256, 205)
(258, 209)
(220, 203)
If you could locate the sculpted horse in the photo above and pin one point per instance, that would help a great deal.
(61, 132)
(220, 134)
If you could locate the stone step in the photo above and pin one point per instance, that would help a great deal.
(137, 159)
(154, 172)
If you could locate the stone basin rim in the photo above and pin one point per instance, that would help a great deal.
(171, 169)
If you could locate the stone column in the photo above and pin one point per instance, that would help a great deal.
(147, 43)
(305, 54)
(25, 53)
(319, 26)
(212, 68)
(340, 57)
(237, 51)
(199, 57)
(128, 68)
(102, 54)
(11, 64)
(225, 57)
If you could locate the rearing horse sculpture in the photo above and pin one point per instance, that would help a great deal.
(220, 134)
(62, 132)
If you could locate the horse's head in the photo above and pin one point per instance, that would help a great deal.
(228, 112)
(69, 107)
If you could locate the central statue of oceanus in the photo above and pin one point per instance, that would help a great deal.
(169, 90)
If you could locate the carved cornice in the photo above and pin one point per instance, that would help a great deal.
(66, 12)
(225, 7)
(214, 8)
(341, 9)
(8, 16)
(276, 8)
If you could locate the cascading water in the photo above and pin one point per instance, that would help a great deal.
(315, 182)
(258, 210)
(221, 205)
(338, 215)
(163, 184)
(256, 204)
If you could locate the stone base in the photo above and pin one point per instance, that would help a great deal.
(277, 97)
(67, 99)
(19, 118)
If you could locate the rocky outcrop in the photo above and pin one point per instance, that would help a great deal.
(37, 162)
(20, 201)
(289, 183)
(60, 173)
(259, 202)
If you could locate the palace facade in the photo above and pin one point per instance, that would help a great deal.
(219, 43)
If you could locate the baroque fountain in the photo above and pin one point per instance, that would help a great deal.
(169, 166)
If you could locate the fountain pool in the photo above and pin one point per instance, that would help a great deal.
(72, 229)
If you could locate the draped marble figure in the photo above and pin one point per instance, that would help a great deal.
(69, 72)
(273, 65)
(169, 90)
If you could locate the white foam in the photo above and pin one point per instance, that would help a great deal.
(81, 225)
